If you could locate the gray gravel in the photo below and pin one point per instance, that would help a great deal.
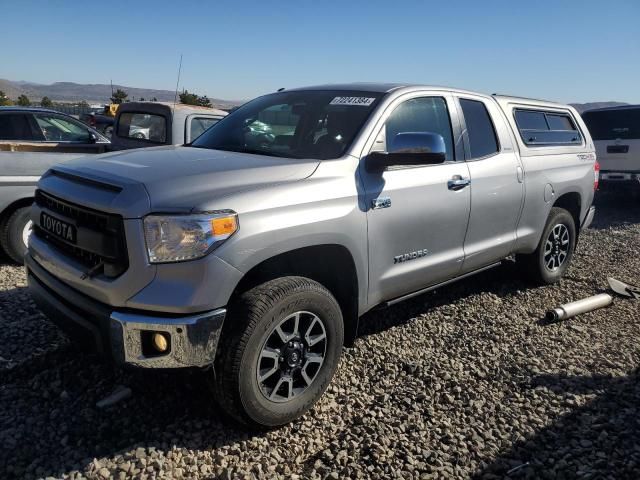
(464, 382)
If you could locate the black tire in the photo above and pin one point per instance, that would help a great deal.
(250, 324)
(11, 232)
(536, 264)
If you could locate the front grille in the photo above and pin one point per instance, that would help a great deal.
(107, 230)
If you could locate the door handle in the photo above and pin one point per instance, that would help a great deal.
(458, 182)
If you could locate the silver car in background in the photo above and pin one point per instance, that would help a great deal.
(31, 141)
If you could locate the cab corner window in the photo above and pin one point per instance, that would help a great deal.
(421, 115)
(482, 136)
(142, 126)
(540, 128)
(199, 125)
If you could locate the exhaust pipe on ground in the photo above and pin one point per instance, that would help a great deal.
(572, 309)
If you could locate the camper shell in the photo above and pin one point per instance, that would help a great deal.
(149, 124)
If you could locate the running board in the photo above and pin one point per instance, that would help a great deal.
(388, 303)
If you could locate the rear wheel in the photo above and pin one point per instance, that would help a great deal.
(14, 233)
(279, 350)
(551, 259)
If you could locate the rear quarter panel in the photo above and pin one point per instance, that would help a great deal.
(550, 172)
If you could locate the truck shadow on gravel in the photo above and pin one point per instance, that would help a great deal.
(600, 436)
(502, 281)
(50, 425)
(616, 209)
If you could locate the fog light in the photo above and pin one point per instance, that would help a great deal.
(160, 342)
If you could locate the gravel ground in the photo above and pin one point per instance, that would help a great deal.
(464, 382)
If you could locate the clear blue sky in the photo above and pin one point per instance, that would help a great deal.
(572, 51)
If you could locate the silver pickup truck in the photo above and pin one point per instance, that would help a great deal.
(256, 249)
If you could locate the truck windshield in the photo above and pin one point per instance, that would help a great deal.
(623, 123)
(319, 124)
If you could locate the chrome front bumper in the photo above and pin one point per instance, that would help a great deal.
(123, 336)
(192, 340)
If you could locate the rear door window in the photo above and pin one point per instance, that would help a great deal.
(142, 126)
(199, 125)
(482, 135)
(15, 126)
(612, 124)
(540, 128)
(56, 128)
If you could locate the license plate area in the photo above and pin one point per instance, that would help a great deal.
(60, 229)
(617, 148)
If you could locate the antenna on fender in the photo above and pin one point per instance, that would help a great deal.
(175, 98)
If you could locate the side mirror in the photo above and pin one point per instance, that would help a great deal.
(93, 138)
(409, 148)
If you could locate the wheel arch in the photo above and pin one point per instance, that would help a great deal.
(571, 202)
(331, 265)
(13, 206)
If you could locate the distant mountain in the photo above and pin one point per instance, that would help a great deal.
(583, 107)
(92, 93)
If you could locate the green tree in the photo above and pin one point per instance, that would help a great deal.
(24, 101)
(4, 100)
(193, 99)
(46, 102)
(120, 96)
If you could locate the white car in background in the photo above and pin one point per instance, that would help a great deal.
(616, 134)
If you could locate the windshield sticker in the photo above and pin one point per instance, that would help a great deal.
(362, 101)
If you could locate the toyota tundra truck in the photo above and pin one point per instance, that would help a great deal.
(254, 251)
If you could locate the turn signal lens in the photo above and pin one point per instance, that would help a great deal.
(224, 225)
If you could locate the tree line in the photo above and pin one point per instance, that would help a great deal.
(119, 96)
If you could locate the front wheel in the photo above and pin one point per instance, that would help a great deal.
(279, 350)
(551, 259)
(14, 233)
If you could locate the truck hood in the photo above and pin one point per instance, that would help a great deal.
(179, 179)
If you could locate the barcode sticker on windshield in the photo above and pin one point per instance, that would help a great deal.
(363, 101)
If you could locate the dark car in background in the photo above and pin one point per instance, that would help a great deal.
(31, 141)
(101, 122)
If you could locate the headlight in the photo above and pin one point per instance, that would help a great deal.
(176, 238)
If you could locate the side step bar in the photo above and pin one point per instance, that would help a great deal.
(388, 303)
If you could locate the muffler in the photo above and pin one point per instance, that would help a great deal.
(572, 309)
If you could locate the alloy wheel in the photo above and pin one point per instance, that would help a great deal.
(291, 356)
(556, 248)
